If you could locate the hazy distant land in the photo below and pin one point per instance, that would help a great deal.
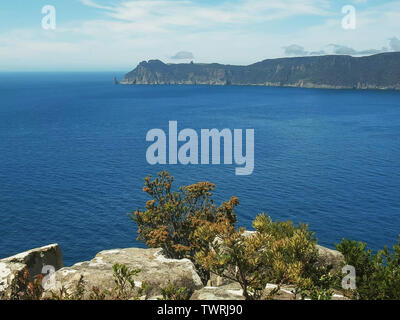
(380, 71)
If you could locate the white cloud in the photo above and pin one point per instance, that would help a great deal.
(295, 50)
(183, 55)
(394, 44)
(164, 13)
(93, 4)
(235, 32)
(376, 25)
(344, 50)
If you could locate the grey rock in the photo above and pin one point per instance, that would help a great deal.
(218, 281)
(330, 258)
(231, 291)
(156, 271)
(33, 260)
(286, 292)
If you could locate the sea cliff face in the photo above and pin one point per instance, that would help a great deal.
(381, 71)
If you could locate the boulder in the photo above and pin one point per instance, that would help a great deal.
(286, 292)
(33, 260)
(218, 281)
(231, 291)
(156, 271)
(330, 258)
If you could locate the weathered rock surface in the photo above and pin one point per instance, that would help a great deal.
(287, 293)
(156, 271)
(33, 260)
(330, 258)
(231, 291)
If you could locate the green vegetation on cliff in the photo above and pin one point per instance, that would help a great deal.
(381, 71)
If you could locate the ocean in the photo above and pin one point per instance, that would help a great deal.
(73, 158)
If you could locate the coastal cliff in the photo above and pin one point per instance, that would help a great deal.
(381, 71)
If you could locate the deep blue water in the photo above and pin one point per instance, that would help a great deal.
(72, 158)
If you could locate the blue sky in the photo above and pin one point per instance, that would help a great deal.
(117, 34)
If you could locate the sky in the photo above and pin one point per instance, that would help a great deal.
(115, 35)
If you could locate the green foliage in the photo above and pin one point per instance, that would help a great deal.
(277, 252)
(124, 288)
(377, 71)
(320, 289)
(173, 293)
(125, 283)
(171, 218)
(377, 275)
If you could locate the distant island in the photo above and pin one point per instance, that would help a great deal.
(380, 71)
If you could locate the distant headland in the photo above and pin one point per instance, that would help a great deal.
(380, 71)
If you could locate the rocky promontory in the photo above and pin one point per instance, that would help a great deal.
(156, 271)
(380, 71)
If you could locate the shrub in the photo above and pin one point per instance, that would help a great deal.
(125, 283)
(171, 218)
(377, 275)
(124, 288)
(24, 289)
(277, 252)
(173, 293)
(77, 293)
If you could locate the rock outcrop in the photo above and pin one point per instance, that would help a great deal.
(33, 261)
(231, 291)
(380, 71)
(156, 271)
(330, 258)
